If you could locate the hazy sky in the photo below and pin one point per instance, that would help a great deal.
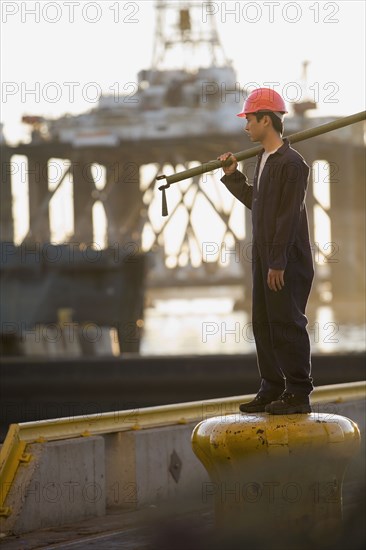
(56, 56)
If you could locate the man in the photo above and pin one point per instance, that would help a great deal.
(282, 265)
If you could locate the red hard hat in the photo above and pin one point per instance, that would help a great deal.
(263, 99)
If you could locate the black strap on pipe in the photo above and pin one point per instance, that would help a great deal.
(242, 155)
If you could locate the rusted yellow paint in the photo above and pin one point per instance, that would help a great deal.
(265, 467)
(12, 453)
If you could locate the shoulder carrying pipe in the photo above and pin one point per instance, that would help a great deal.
(248, 153)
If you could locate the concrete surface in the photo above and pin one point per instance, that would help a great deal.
(64, 482)
(152, 466)
(152, 527)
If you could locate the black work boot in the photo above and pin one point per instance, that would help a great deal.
(289, 403)
(258, 404)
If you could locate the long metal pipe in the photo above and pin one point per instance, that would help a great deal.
(248, 153)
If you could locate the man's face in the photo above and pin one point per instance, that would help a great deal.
(255, 130)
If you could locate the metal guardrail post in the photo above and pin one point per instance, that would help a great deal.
(12, 454)
(276, 478)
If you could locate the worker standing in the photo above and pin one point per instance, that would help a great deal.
(282, 265)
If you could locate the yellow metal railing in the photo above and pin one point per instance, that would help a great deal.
(13, 451)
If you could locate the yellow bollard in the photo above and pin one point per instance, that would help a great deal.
(277, 478)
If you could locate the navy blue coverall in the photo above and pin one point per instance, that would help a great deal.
(280, 241)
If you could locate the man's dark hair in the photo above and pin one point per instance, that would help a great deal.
(276, 122)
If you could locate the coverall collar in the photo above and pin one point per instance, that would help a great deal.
(281, 150)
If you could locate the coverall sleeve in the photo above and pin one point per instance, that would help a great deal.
(237, 184)
(294, 182)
